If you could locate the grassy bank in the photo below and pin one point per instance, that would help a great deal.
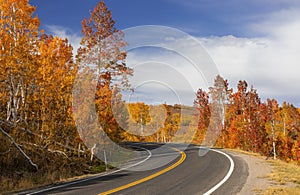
(23, 180)
(287, 177)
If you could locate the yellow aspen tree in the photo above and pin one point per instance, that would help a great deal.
(18, 49)
(139, 112)
(19, 34)
(56, 76)
(103, 52)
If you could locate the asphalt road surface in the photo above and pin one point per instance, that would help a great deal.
(183, 172)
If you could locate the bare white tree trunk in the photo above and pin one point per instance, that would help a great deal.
(92, 152)
(105, 160)
(284, 123)
(273, 140)
(79, 145)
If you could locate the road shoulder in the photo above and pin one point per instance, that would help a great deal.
(258, 171)
(238, 177)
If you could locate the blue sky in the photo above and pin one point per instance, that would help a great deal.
(253, 40)
(197, 17)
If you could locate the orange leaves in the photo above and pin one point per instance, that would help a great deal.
(18, 32)
(102, 51)
(36, 75)
(55, 77)
(252, 125)
(103, 47)
(272, 108)
(22, 13)
(139, 112)
(203, 116)
(57, 60)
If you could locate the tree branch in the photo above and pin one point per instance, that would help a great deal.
(19, 148)
(35, 134)
(49, 150)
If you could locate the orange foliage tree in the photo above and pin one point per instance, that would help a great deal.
(37, 74)
(220, 96)
(201, 103)
(249, 124)
(102, 55)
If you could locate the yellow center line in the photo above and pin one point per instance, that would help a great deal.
(183, 156)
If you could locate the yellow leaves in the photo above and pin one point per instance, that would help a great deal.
(139, 112)
(56, 60)
(17, 14)
(39, 71)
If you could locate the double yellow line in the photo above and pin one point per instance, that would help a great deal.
(183, 156)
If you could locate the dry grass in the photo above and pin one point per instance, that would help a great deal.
(287, 175)
(282, 191)
(285, 172)
(29, 180)
(244, 152)
(257, 191)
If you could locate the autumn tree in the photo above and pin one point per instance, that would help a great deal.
(55, 76)
(272, 110)
(37, 74)
(201, 103)
(250, 124)
(220, 97)
(255, 128)
(287, 130)
(103, 52)
(158, 116)
(172, 121)
(237, 117)
(18, 44)
(140, 114)
(19, 34)
(102, 46)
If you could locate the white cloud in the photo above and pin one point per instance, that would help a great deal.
(60, 31)
(271, 62)
(162, 76)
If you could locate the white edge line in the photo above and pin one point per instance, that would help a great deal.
(97, 176)
(226, 176)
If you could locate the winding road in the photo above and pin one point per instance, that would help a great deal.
(186, 170)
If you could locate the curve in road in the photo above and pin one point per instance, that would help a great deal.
(183, 156)
(189, 173)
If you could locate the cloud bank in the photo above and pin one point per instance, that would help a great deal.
(270, 60)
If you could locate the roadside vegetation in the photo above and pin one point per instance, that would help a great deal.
(287, 175)
(284, 177)
(40, 141)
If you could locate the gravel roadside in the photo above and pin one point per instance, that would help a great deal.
(259, 169)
